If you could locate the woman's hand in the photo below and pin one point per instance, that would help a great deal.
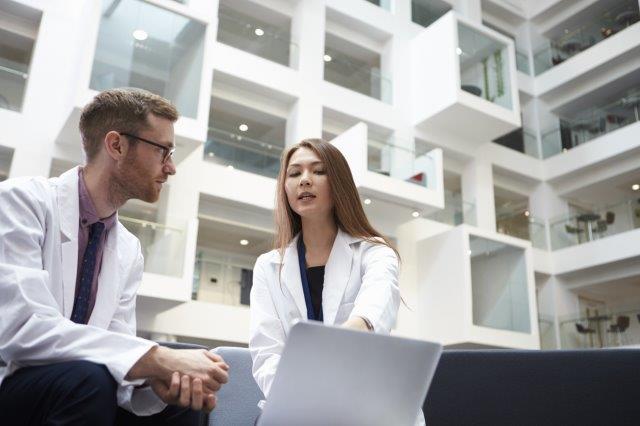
(356, 323)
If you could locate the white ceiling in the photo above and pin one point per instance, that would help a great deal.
(609, 191)
(226, 237)
(228, 116)
(601, 96)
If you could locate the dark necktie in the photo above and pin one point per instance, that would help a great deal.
(83, 294)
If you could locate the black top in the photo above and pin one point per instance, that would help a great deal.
(315, 277)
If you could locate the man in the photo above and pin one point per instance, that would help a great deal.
(69, 272)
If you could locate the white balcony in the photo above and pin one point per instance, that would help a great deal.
(464, 80)
(476, 289)
(139, 44)
(393, 173)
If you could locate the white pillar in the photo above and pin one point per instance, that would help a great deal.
(545, 204)
(470, 9)
(305, 120)
(307, 33)
(477, 189)
(30, 160)
(566, 305)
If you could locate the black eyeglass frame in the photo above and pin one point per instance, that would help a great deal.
(168, 152)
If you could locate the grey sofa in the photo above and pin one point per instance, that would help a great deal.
(492, 387)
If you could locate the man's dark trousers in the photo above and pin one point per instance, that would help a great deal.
(74, 393)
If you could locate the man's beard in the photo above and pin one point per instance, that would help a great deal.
(129, 181)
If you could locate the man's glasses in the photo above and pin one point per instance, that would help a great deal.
(168, 152)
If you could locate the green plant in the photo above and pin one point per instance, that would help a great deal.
(485, 78)
(497, 58)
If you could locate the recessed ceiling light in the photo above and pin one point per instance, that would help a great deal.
(244, 242)
(243, 127)
(230, 167)
(415, 214)
(210, 154)
(327, 58)
(635, 186)
(526, 213)
(458, 51)
(259, 32)
(367, 201)
(140, 35)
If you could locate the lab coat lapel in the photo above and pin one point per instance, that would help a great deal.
(108, 282)
(291, 276)
(69, 214)
(336, 275)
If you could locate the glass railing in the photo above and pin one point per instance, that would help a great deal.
(530, 141)
(145, 46)
(163, 246)
(215, 281)
(601, 328)
(547, 330)
(13, 81)
(595, 224)
(401, 163)
(592, 123)
(522, 62)
(16, 48)
(455, 211)
(484, 66)
(582, 37)
(499, 285)
(551, 143)
(259, 38)
(241, 152)
(521, 224)
(356, 75)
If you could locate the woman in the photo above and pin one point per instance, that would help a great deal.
(350, 271)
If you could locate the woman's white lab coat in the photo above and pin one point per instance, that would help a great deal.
(361, 279)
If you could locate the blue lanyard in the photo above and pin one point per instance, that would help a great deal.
(305, 282)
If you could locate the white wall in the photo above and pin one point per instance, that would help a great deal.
(58, 85)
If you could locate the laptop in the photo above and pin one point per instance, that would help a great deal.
(336, 376)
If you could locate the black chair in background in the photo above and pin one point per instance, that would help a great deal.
(603, 224)
(572, 230)
(621, 324)
(586, 331)
(619, 327)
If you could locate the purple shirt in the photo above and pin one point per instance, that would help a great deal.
(88, 217)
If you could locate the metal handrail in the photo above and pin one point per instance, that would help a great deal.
(565, 218)
(248, 144)
(14, 72)
(146, 223)
(267, 31)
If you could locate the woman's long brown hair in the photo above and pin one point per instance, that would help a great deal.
(348, 213)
